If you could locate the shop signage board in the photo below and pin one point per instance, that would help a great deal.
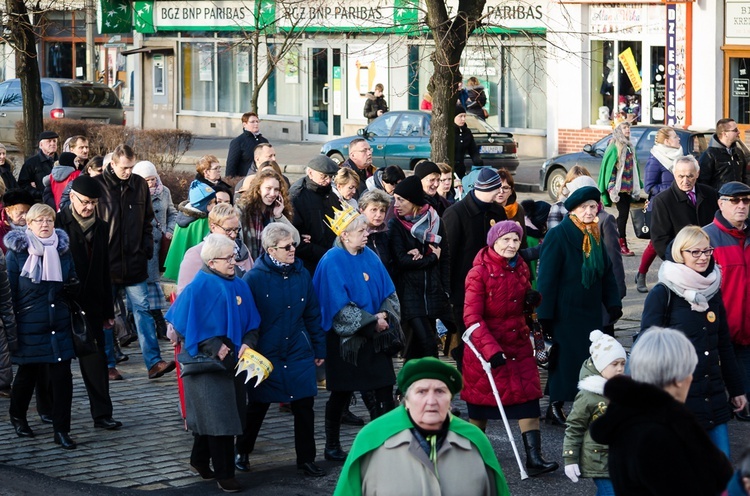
(737, 19)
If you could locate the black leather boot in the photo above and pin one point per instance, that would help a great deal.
(371, 403)
(159, 324)
(536, 465)
(555, 414)
(333, 449)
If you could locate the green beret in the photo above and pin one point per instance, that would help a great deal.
(582, 195)
(429, 368)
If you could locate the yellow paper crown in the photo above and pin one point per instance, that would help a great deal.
(341, 218)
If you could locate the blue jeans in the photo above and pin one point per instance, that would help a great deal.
(720, 437)
(109, 347)
(604, 487)
(144, 322)
(743, 360)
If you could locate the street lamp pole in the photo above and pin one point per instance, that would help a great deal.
(90, 46)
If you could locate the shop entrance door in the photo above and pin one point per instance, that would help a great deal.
(325, 93)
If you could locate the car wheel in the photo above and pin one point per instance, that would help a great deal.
(337, 157)
(555, 182)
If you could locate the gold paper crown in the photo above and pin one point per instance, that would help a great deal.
(341, 218)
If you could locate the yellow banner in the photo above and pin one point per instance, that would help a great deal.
(628, 63)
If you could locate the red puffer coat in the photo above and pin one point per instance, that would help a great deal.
(495, 294)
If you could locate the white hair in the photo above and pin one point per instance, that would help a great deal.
(662, 356)
(688, 159)
(215, 245)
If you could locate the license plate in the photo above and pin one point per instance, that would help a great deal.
(490, 149)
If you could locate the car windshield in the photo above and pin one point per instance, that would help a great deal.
(89, 96)
(383, 124)
(477, 125)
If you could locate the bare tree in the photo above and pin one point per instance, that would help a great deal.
(21, 37)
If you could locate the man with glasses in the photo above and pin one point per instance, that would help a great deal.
(360, 161)
(686, 202)
(241, 155)
(723, 160)
(89, 245)
(729, 234)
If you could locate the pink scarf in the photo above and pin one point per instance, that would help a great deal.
(43, 263)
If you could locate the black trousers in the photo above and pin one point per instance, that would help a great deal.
(623, 212)
(304, 428)
(216, 449)
(423, 339)
(61, 390)
(95, 375)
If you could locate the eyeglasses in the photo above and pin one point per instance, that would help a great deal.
(697, 253)
(87, 203)
(288, 247)
(735, 130)
(215, 169)
(230, 259)
(735, 201)
(43, 221)
(235, 230)
(506, 188)
(364, 150)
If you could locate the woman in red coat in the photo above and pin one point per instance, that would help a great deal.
(498, 290)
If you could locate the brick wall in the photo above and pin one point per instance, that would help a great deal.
(572, 140)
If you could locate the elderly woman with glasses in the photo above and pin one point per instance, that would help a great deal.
(360, 311)
(656, 446)
(291, 338)
(40, 267)
(688, 298)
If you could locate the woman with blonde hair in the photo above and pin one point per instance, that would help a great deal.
(208, 171)
(346, 184)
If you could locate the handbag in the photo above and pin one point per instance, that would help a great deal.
(164, 245)
(83, 341)
(541, 345)
(641, 222)
(199, 364)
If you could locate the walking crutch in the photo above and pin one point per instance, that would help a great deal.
(488, 370)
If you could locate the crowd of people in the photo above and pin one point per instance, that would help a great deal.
(333, 277)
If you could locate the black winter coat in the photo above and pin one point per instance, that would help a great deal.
(378, 242)
(466, 226)
(126, 206)
(34, 170)
(671, 211)
(717, 369)
(463, 145)
(7, 176)
(422, 285)
(91, 261)
(311, 204)
(719, 166)
(656, 448)
(42, 319)
(373, 104)
(8, 334)
(241, 154)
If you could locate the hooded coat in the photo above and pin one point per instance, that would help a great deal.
(373, 104)
(495, 298)
(655, 445)
(42, 319)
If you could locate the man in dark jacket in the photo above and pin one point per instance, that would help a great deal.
(40, 165)
(241, 155)
(467, 223)
(375, 105)
(683, 204)
(126, 205)
(89, 245)
(723, 160)
(464, 144)
(360, 161)
(313, 199)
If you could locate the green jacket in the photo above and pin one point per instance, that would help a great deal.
(609, 161)
(183, 239)
(578, 447)
(374, 434)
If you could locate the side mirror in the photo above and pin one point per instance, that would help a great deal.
(362, 132)
(588, 149)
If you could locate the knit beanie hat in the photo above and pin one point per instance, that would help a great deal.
(502, 228)
(67, 159)
(145, 169)
(604, 349)
(424, 169)
(537, 212)
(411, 189)
(201, 195)
(488, 180)
(429, 368)
(87, 186)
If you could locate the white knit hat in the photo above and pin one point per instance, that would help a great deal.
(604, 349)
(145, 169)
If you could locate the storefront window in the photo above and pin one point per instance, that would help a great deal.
(522, 99)
(285, 87)
(739, 89)
(198, 80)
(234, 84)
(612, 90)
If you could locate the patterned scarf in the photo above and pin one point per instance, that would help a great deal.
(593, 259)
(424, 225)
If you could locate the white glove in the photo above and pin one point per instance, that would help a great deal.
(572, 471)
(615, 197)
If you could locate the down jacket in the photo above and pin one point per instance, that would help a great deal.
(720, 165)
(421, 285)
(43, 321)
(732, 253)
(290, 333)
(126, 205)
(495, 295)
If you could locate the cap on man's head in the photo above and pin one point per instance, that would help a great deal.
(734, 188)
(67, 159)
(429, 368)
(323, 164)
(87, 186)
(47, 135)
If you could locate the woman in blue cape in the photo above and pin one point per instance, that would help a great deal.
(216, 318)
(360, 311)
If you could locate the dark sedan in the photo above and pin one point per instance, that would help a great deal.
(553, 171)
(403, 138)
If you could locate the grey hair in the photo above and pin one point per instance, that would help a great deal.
(662, 356)
(374, 196)
(355, 224)
(688, 159)
(216, 245)
(275, 232)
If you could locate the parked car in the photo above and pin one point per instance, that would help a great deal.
(553, 171)
(403, 138)
(63, 98)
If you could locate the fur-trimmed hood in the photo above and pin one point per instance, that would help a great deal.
(16, 240)
(590, 379)
(186, 214)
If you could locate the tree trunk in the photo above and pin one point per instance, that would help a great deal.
(23, 40)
